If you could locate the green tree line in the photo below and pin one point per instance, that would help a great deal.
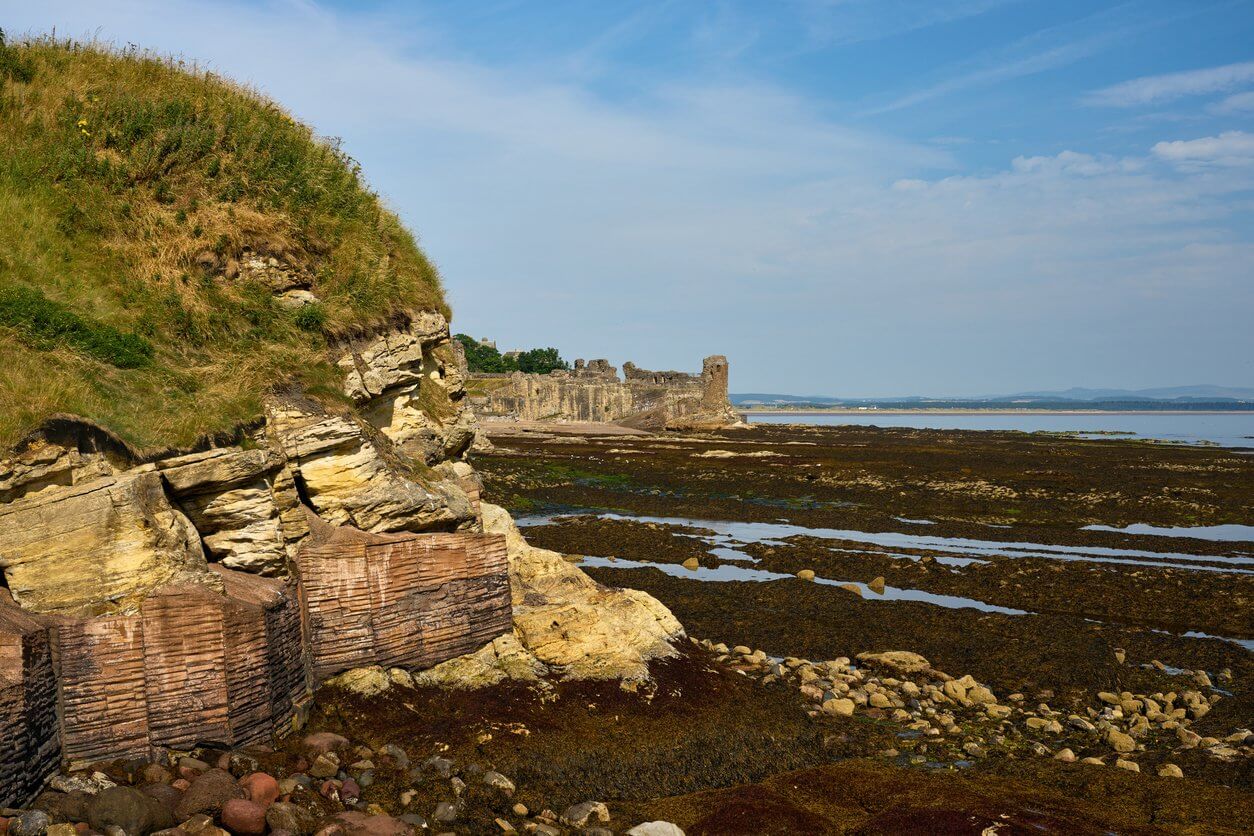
(485, 358)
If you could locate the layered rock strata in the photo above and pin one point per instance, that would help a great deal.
(594, 392)
(400, 601)
(565, 623)
(153, 602)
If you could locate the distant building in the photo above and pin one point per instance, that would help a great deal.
(512, 355)
(486, 343)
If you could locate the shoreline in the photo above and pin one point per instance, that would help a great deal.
(943, 411)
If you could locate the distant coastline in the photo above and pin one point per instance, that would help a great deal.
(831, 410)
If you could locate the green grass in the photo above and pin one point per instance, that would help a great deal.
(131, 189)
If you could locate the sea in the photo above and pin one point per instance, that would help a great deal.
(1226, 429)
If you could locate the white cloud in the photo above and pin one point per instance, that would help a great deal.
(1236, 103)
(1156, 89)
(1231, 148)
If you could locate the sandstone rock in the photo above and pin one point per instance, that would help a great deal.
(498, 782)
(501, 659)
(902, 661)
(1119, 741)
(842, 707)
(1065, 755)
(260, 788)
(29, 823)
(106, 542)
(877, 585)
(350, 480)
(207, 794)
(290, 817)
(580, 814)
(129, 809)
(320, 743)
(393, 358)
(365, 682)
(692, 563)
(568, 622)
(656, 828)
(1131, 766)
(244, 817)
(355, 823)
(1170, 770)
(806, 575)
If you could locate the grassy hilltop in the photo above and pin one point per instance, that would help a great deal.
(131, 187)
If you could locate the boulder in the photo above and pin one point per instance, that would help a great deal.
(134, 812)
(208, 793)
(291, 817)
(902, 661)
(244, 817)
(564, 622)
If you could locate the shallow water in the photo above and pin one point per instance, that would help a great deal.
(1229, 532)
(732, 572)
(728, 535)
(1227, 429)
(756, 532)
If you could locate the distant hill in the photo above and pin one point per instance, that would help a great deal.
(1197, 393)
(1204, 392)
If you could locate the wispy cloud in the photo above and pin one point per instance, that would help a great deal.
(835, 22)
(1231, 148)
(1041, 51)
(1236, 103)
(1157, 89)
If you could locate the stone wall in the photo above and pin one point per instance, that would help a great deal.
(594, 392)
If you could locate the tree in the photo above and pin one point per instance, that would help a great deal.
(541, 361)
(486, 359)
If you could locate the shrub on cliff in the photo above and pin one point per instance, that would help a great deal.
(132, 189)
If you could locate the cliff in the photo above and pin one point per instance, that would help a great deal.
(233, 430)
(594, 392)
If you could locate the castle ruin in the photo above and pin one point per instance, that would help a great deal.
(593, 392)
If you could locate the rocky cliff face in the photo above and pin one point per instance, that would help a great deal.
(593, 392)
(149, 598)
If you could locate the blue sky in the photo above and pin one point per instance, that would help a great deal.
(851, 197)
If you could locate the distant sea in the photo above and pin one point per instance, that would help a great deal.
(1233, 429)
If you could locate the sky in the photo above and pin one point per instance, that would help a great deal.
(846, 197)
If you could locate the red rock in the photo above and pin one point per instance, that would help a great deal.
(330, 789)
(207, 794)
(181, 784)
(350, 789)
(359, 824)
(332, 830)
(239, 815)
(4, 825)
(261, 788)
(320, 743)
(224, 761)
(83, 827)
